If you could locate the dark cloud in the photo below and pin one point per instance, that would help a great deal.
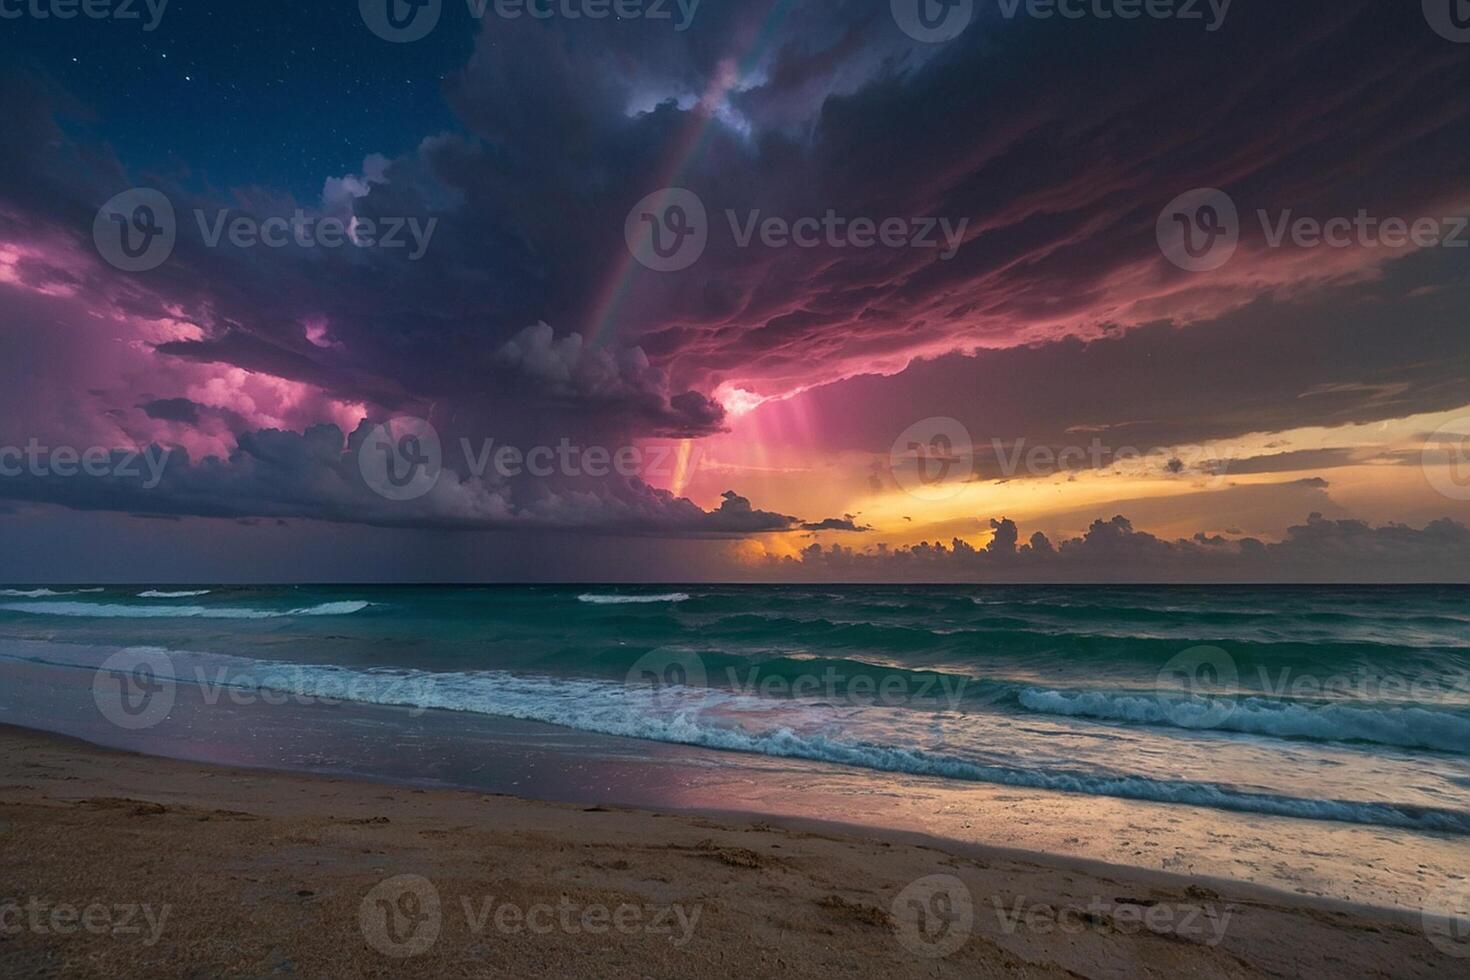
(1113, 550)
(1056, 321)
(172, 410)
(317, 475)
(1266, 368)
(845, 523)
(1328, 457)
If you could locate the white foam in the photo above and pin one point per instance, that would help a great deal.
(92, 610)
(617, 600)
(155, 594)
(1408, 727)
(787, 729)
(42, 593)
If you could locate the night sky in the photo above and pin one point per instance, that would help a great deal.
(235, 96)
(1012, 372)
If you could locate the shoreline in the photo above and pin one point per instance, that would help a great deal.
(257, 864)
(1358, 864)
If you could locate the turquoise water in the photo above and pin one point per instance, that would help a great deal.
(1349, 705)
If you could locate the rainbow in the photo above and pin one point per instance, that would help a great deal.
(681, 155)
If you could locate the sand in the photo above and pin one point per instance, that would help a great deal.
(121, 865)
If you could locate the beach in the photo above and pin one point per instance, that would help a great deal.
(194, 870)
(549, 781)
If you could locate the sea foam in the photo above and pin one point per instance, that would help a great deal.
(1409, 727)
(96, 610)
(725, 720)
(617, 600)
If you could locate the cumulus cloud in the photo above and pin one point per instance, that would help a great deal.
(318, 475)
(1113, 550)
(601, 377)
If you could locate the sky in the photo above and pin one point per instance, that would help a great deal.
(735, 290)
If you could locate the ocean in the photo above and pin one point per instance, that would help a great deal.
(1312, 705)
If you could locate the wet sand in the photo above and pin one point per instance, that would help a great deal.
(114, 864)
